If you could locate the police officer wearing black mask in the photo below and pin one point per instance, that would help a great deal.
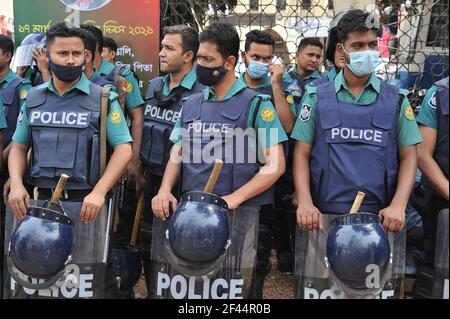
(163, 108)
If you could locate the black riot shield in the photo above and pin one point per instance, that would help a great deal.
(84, 276)
(440, 284)
(232, 280)
(312, 278)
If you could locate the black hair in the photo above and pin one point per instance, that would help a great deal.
(189, 37)
(110, 44)
(354, 21)
(309, 41)
(63, 31)
(260, 37)
(90, 42)
(6, 44)
(97, 33)
(225, 36)
(331, 45)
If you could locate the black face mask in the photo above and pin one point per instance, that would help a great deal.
(66, 73)
(210, 76)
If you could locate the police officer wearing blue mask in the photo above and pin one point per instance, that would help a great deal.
(163, 99)
(355, 133)
(265, 77)
(227, 104)
(59, 122)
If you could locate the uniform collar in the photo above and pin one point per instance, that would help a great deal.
(267, 81)
(82, 85)
(10, 76)
(187, 82)
(95, 75)
(294, 73)
(238, 86)
(374, 82)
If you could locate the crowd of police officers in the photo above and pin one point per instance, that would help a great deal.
(344, 127)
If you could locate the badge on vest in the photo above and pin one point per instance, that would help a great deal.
(23, 94)
(116, 118)
(267, 115)
(409, 113)
(305, 112)
(432, 101)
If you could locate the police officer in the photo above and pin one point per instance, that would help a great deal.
(355, 133)
(13, 90)
(307, 59)
(25, 61)
(163, 108)
(433, 162)
(258, 55)
(67, 134)
(221, 105)
(109, 51)
(90, 43)
(134, 107)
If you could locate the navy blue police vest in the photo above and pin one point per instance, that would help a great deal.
(208, 128)
(159, 121)
(10, 97)
(355, 149)
(102, 81)
(441, 150)
(65, 137)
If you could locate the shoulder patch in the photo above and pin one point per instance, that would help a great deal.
(23, 94)
(289, 99)
(20, 117)
(432, 101)
(409, 113)
(305, 112)
(267, 114)
(116, 118)
(129, 87)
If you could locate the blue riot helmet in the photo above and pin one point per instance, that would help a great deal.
(40, 247)
(358, 254)
(23, 55)
(198, 236)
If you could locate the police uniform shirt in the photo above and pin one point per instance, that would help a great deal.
(428, 114)
(305, 126)
(287, 79)
(116, 128)
(23, 89)
(268, 82)
(266, 118)
(187, 82)
(133, 97)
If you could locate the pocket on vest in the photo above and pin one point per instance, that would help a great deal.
(350, 171)
(156, 145)
(57, 153)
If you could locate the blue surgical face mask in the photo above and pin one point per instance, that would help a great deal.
(363, 62)
(257, 70)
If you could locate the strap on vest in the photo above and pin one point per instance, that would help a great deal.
(103, 115)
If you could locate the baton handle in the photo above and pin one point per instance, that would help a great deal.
(137, 219)
(357, 202)
(214, 175)
(59, 188)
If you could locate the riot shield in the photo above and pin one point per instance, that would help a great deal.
(312, 278)
(440, 284)
(84, 277)
(233, 279)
